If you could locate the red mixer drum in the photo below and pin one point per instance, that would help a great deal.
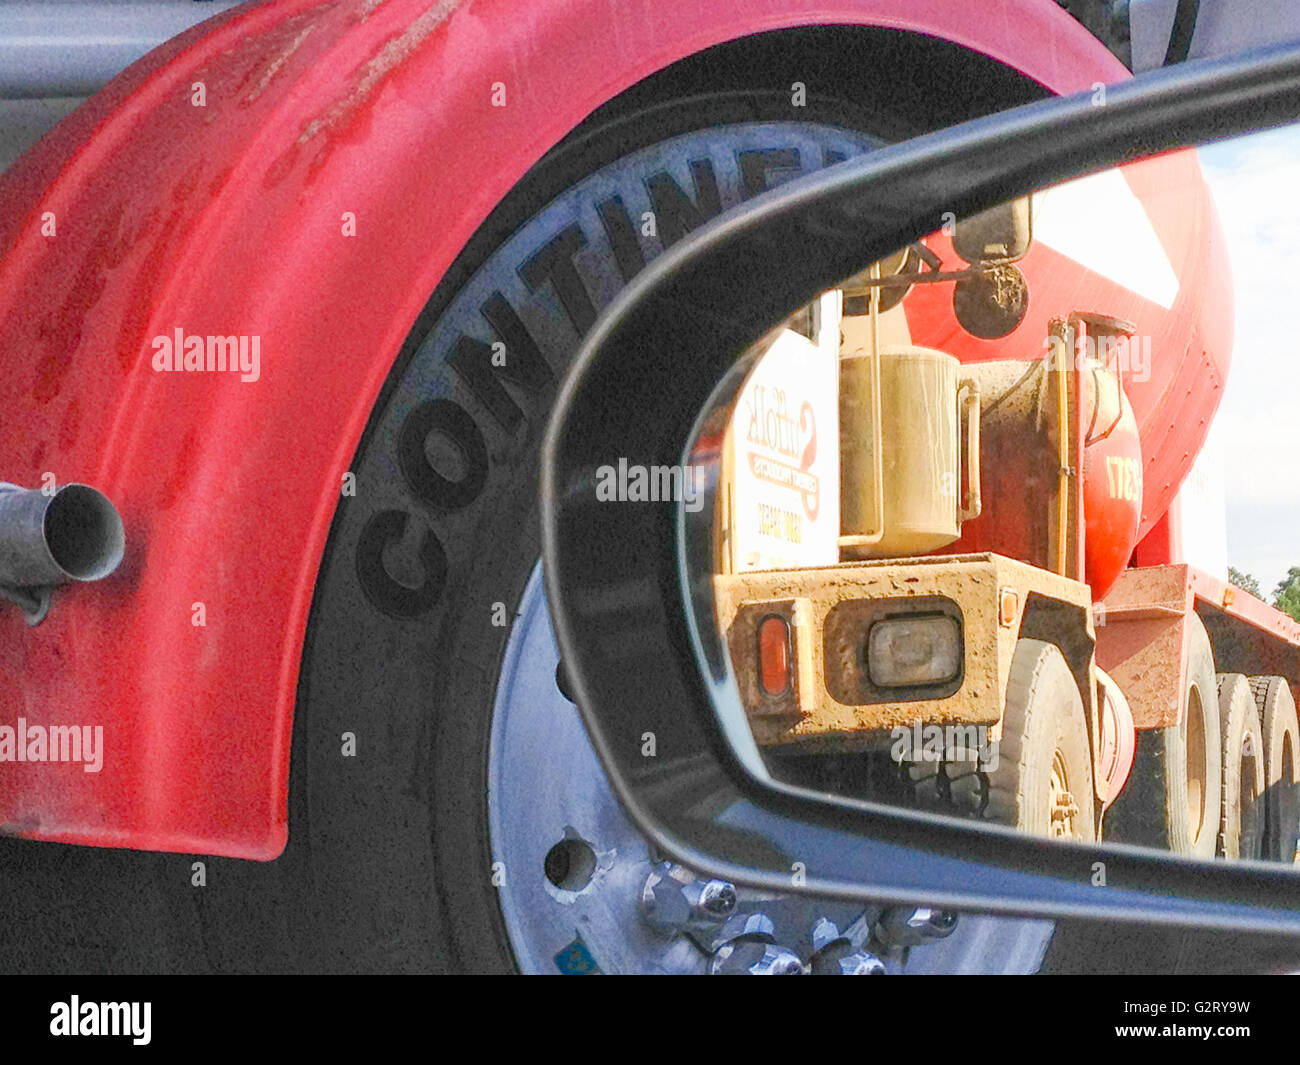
(1140, 243)
(1112, 479)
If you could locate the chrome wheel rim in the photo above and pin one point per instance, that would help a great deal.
(571, 871)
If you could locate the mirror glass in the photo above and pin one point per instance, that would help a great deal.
(1004, 526)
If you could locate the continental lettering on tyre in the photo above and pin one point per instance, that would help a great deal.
(522, 366)
(672, 215)
(384, 591)
(675, 213)
(450, 422)
(555, 264)
(475, 391)
(621, 234)
(759, 168)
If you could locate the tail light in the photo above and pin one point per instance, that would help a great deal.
(774, 655)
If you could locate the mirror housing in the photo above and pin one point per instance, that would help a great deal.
(633, 611)
(1002, 233)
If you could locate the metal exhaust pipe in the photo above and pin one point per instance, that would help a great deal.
(75, 534)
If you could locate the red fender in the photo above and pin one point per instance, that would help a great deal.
(226, 219)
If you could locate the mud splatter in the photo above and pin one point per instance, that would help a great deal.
(379, 67)
(277, 64)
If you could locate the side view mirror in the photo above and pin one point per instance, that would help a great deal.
(631, 588)
(1001, 233)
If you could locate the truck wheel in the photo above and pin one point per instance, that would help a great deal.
(1042, 782)
(1277, 713)
(1171, 800)
(1241, 824)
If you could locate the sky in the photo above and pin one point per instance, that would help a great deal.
(1256, 185)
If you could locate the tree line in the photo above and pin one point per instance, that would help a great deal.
(1286, 596)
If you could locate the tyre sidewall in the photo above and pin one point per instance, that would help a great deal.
(399, 858)
(1277, 711)
(1152, 810)
(1243, 742)
(1044, 715)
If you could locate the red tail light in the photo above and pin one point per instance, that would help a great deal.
(774, 655)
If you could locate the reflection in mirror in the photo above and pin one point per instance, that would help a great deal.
(972, 534)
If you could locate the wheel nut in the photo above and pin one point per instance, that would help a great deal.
(711, 902)
(675, 901)
(748, 957)
(860, 963)
(838, 956)
(904, 927)
(778, 961)
(824, 933)
(757, 927)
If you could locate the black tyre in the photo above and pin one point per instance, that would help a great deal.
(1241, 825)
(1171, 800)
(1277, 714)
(1042, 782)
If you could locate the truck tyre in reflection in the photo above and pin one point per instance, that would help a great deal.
(1043, 779)
(1281, 773)
(1171, 800)
(1241, 824)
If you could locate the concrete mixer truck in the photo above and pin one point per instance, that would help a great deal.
(949, 537)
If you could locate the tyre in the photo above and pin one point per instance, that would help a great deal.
(1277, 714)
(1171, 798)
(1042, 782)
(1241, 825)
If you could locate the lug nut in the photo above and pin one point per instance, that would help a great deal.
(904, 927)
(711, 902)
(852, 964)
(675, 901)
(757, 927)
(837, 955)
(778, 961)
(860, 963)
(749, 957)
(825, 933)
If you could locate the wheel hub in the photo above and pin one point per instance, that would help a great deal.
(582, 891)
(1063, 808)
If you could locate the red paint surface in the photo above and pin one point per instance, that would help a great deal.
(226, 220)
(1112, 502)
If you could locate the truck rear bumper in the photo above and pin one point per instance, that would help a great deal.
(831, 701)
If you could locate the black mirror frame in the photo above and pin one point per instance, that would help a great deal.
(627, 624)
